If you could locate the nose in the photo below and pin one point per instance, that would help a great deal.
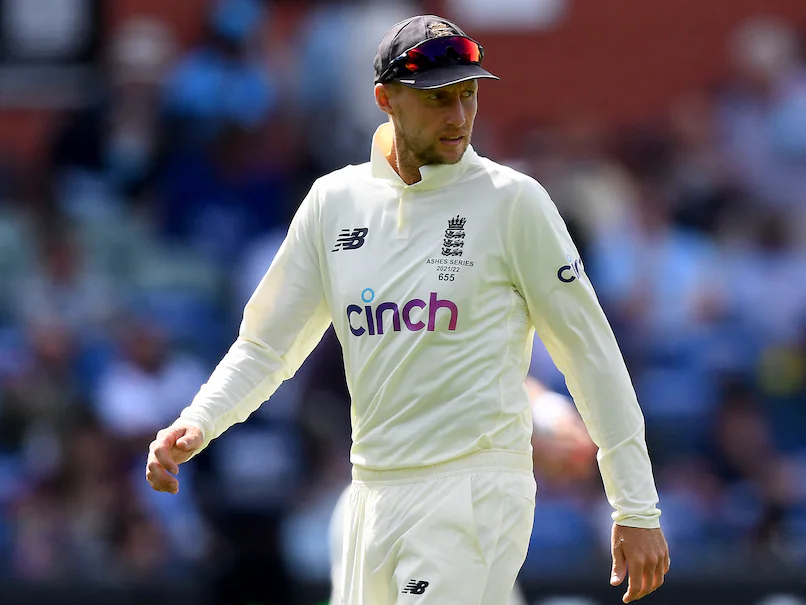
(455, 114)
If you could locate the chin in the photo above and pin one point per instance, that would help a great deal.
(436, 156)
(453, 157)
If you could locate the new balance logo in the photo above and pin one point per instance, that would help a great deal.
(415, 587)
(351, 239)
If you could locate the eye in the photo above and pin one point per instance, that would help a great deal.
(468, 93)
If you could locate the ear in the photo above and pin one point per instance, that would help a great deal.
(383, 94)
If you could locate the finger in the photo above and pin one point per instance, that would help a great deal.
(164, 457)
(189, 441)
(619, 570)
(635, 586)
(162, 483)
(668, 564)
(159, 479)
(165, 437)
(660, 571)
(650, 576)
(156, 474)
(168, 487)
(653, 578)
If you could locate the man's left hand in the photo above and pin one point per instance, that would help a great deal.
(644, 554)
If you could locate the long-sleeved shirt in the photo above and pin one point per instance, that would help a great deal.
(434, 291)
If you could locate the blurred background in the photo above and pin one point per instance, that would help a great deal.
(151, 156)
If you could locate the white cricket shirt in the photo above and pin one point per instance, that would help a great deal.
(434, 290)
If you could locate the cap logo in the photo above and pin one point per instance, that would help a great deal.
(438, 29)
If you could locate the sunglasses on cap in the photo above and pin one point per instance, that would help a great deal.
(437, 52)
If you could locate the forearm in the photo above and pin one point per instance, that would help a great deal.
(283, 321)
(571, 323)
(629, 484)
(247, 376)
(600, 386)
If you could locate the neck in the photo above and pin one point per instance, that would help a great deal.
(407, 167)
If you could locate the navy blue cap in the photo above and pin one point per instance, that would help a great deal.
(409, 33)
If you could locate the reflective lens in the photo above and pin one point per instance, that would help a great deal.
(437, 52)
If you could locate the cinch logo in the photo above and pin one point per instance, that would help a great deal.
(572, 271)
(370, 320)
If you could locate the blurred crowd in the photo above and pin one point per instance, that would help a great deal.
(127, 261)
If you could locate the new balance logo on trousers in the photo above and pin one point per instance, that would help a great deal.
(415, 587)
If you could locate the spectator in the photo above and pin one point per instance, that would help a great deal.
(63, 523)
(761, 113)
(63, 286)
(766, 271)
(147, 385)
(657, 277)
(754, 470)
(598, 195)
(699, 179)
(218, 85)
(109, 152)
(219, 196)
(40, 396)
(336, 98)
(220, 187)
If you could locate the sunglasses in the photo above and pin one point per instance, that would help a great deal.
(437, 52)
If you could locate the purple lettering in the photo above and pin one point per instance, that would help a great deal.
(379, 316)
(374, 316)
(436, 304)
(414, 326)
(370, 323)
(350, 310)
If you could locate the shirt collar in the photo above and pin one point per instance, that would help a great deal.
(433, 175)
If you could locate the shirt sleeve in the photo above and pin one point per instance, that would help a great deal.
(568, 318)
(283, 321)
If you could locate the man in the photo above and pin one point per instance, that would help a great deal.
(435, 266)
(561, 450)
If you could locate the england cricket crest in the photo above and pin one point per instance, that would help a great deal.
(454, 237)
(439, 29)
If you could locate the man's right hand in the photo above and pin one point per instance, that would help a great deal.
(170, 448)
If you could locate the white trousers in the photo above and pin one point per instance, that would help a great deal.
(446, 535)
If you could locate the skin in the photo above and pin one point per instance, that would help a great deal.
(171, 447)
(644, 554)
(423, 120)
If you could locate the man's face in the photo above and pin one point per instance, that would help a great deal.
(434, 126)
